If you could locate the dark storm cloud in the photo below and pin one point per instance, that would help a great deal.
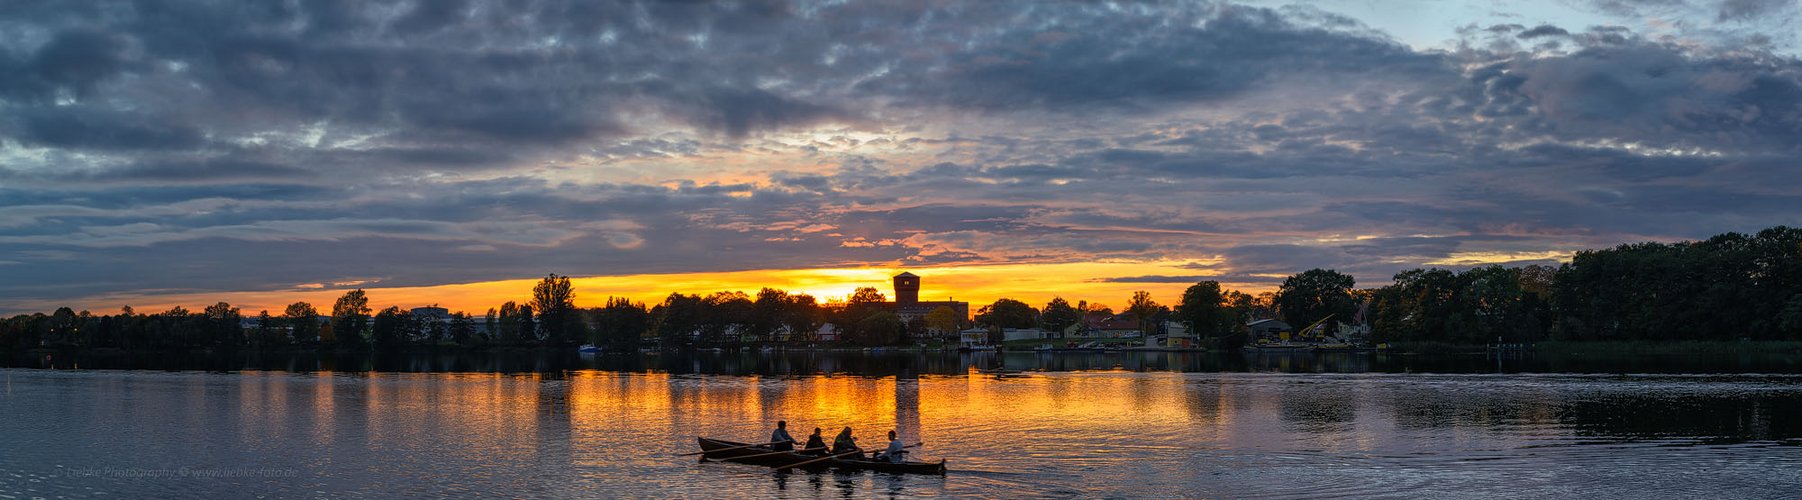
(740, 111)
(216, 170)
(87, 127)
(77, 59)
(1283, 259)
(1653, 93)
(1088, 58)
(1747, 9)
(441, 74)
(1635, 7)
(1542, 30)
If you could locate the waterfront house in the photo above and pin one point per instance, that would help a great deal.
(827, 333)
(1177, 336)
(1023, 334)
(1272, 329)
(1078, 329)
(973, 337)
(1116, 326)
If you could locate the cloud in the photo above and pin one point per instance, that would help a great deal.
(1542, 30)
(204, 146)
(1073, 62)
(87, 127)
(1156, 279)
(1748, 9)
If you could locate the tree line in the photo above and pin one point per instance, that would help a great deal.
(549, 318)
(1730, 286)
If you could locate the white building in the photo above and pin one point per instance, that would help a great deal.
(1024, 334)
(973, 337)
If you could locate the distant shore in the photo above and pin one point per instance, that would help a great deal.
(1561, 348)
(1603, 348)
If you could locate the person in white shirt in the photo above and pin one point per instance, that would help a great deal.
(896, 452)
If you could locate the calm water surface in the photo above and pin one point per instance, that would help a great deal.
(101, 434)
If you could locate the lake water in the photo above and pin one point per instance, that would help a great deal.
(1349, 429)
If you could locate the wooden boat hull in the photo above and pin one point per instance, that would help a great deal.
(756, 455)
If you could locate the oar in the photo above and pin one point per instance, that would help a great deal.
(772, 453)
(729, 448)
(845, 454)
(827, 457)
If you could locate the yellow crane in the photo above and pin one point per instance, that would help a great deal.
(1303, 333)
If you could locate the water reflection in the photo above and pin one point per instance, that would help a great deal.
(913, 364)
(1103, 433)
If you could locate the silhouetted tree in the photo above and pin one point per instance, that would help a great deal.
(1145, 310)
(462, 330)
(389, 328)
(303, 322)
(802, 316)
(491, 326)
(555, 300)
(224, 326)
(621, 323)
(866, 296)
(879, 328)
(726, 316)
(945, 319)
(1094, 308)
(1007, 313)
(1313, 294)
(62, 327)
(528, 325)
(268, 333)
(1726, 287)
(1209, 311)
(1059, 315)
(768, 313)
(508, 324)
(678, 319)
(350, 317)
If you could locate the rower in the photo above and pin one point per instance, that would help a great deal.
(895, 453)
(814, 443)
(780, 440)
(844, 443)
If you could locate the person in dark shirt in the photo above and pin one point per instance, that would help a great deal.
(780, 440)
(844, 443)
(814, 443)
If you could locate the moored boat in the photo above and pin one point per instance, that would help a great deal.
(729, 451)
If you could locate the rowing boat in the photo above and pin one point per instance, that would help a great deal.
(717, 449)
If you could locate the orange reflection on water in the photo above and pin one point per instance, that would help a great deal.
(324, 404)
(833, 403)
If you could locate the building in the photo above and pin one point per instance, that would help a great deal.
(1010, 334)
(973, 337)
(1177, 336)
(909, 307)
(432, 314)
(1269, 329)
(1116, 326)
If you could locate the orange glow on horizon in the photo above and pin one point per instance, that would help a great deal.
(1034, 284)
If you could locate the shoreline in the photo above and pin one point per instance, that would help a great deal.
(1595, 348)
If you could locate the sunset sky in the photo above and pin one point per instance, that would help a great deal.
(450, 152)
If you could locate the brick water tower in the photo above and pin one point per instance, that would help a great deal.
(907, 289)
